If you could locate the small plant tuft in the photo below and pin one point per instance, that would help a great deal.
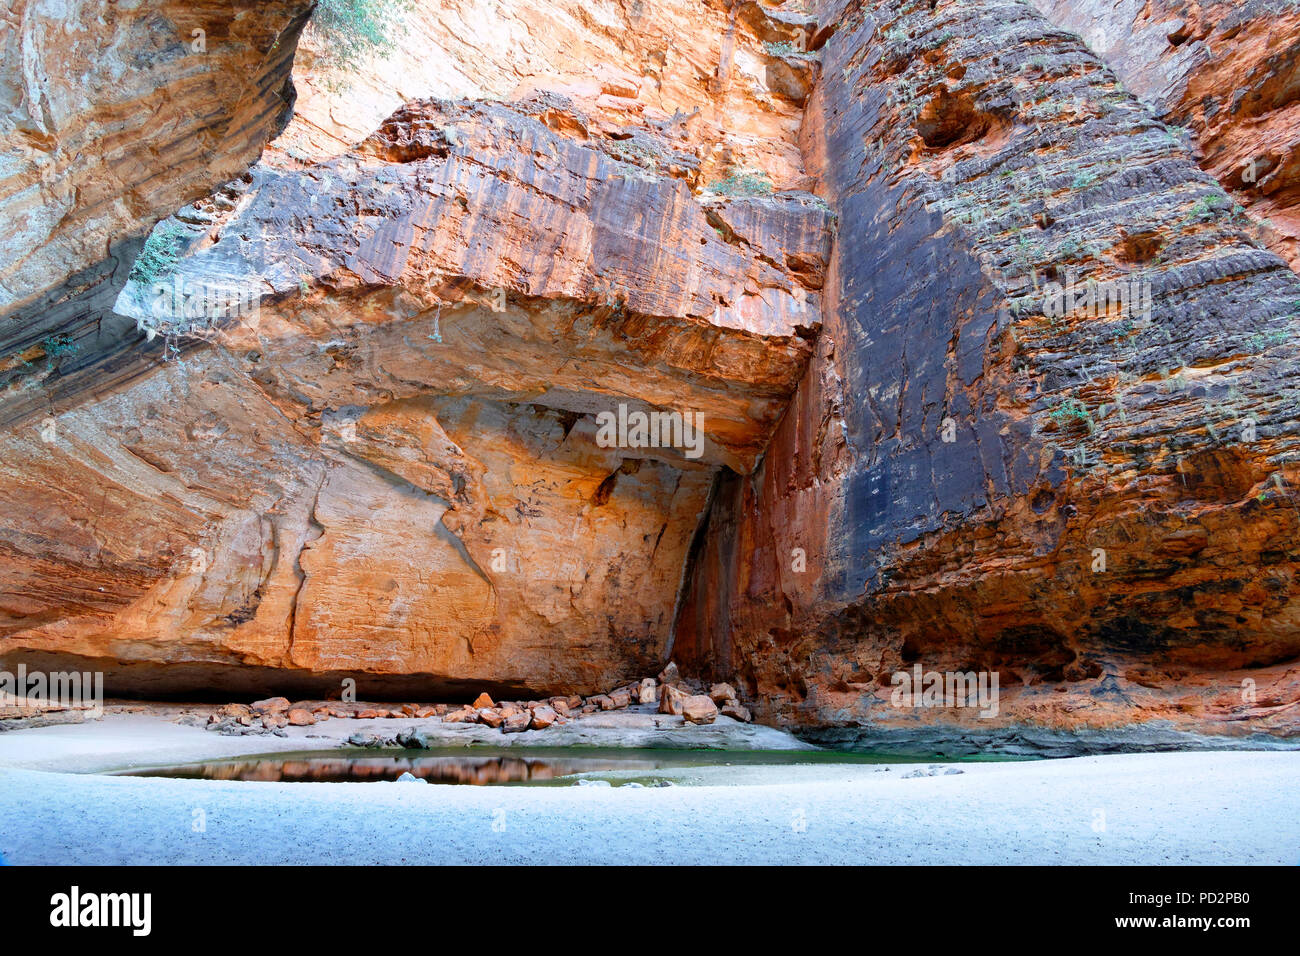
(1071, 412)
(743, 182)
(1208, 208)
(158, 258)
(58, 345)
(786, 49)
(354, 30)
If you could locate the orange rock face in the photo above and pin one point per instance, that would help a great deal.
(986, 469)
(396, 467)
(715, 69)
(112, 116)
(1225, 71)
(961, 362)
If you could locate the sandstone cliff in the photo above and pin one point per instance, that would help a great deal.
(1229, 73)
(112, 116)
(391, 468)
(993, 463)
(992, 374)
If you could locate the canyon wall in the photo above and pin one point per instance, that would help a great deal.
(719, 69)
(112, 116)
(390, 466)
(996, 461)
(991, 374)
(1229, 73)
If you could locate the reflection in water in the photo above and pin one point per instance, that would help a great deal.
(472, 770)
(484, 766)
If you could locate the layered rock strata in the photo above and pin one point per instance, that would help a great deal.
(732, 76)
(1051, 427)
(392, 466)
(347, 421)
(1227, 72)
(112, 116)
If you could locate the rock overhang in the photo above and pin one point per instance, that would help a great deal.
(520, 264)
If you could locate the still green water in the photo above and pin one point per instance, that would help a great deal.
(500, 766)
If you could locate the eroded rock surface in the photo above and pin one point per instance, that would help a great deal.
(478, 224)
(393, 468)
(113, 115)
(1035, 414)
(1093, 498)
(1229, 73)
(729, 75)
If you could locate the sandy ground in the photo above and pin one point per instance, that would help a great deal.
(1182, 808)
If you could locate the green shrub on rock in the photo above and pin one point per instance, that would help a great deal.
(353, 30)
(159, 256)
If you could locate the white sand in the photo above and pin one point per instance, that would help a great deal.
(1203, 808)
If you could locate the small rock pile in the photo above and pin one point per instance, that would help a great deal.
(514, 717)
(933, 770)
(670, 691)
(684, 697)
(275, 713)
(268, 716)
(673, 695)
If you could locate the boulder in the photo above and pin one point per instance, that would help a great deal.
(669, 674)
(721, 693)
(272, 705)
(299, 717)
(516, 723)
(410, 739)
(601, 701)
(543, 717)
(481, 701)
(232, 710)
(647, 691)
(620, 698)
(699, 709)
(492, 716)
(670, 700)
(736, 711)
